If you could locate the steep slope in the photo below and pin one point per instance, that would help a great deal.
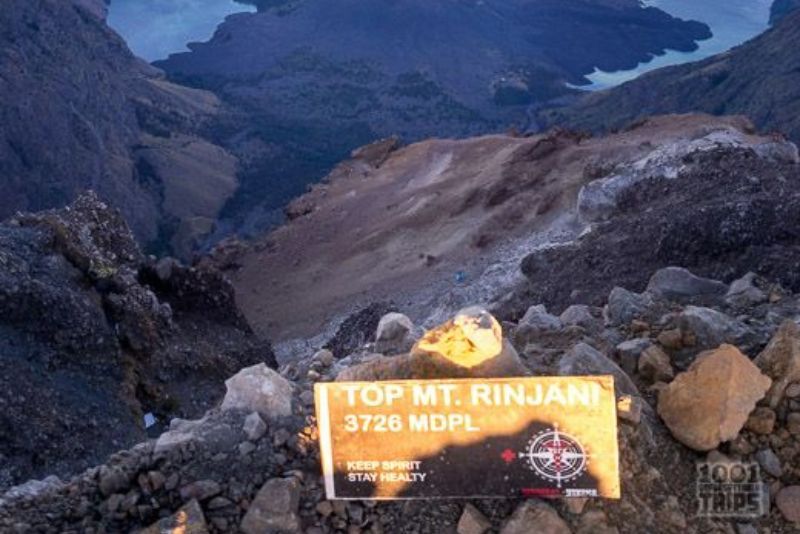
(760, 79)
(781, 8)
(318, 78)
(80, 111)
(442, 223)
(93, 335)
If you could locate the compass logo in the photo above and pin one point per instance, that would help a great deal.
(555, 456)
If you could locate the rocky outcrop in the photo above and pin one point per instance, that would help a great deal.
(92, 339)
(80, 111)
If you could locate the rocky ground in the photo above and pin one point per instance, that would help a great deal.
(94, 335)
(704, 371)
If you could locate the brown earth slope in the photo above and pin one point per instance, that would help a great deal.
(401, 225)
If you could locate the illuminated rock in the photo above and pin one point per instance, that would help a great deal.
(712, 400)
(469, 345)
(780, 360)
(259, 389)
(188, 520)
(394, 334)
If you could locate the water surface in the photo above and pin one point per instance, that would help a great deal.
(732, 22)
(154, 29)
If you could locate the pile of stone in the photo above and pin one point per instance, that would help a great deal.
(704, 372)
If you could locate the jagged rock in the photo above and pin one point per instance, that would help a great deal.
(538, 319)
(780, 360)
(113, 480)
(712, 328)
(743, 292)
(788, 502)
(583, 360)
(394, 333)
(761, 421)
(260, 389)
(581, 315)
(628, 353)
(769, 462)
(676, 283)
(470, 344)
(31, 489)
(254, 427)
(189, 519)
(275, 508)
(624, 306)
(535, 516)
(711, 401)
(200, 490)
(472, 521)
(654, 365)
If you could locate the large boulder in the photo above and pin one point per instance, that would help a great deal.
(259, 389)
(274, 509)
(780, 360)
(712, 328)
(711, 401)
(676, 283)
(585, 360)
(469, 345)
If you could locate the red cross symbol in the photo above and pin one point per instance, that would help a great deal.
(508, 456)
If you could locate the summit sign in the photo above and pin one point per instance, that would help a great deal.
(510, 437)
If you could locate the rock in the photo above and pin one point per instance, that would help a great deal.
(769, 462)
(324, 357)
(472, 521)
(628, 353)
(712, 328)
(654, 365)
(671, 339)
(275, 508)
(200, 490)
(743, 293)
(32, 488)
(788, 502)
(793, 423)
(535, 516)
(585, 360)
(711, 401)
(538, 319)
(761, 421)
(469, 345)
(780, 360)
(677, 283)
(394, 333)
(188, 519)
(581, 315)
(629, 409)
(260, 389)
(624, 306)
(254, 427)
(113, 481)
(164, 267)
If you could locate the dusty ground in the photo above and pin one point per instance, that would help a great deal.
(403, 229)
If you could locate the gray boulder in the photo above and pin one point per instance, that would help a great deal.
(259, 389)
(535, 516)
(624, 306)
(537, 318)
(275, 508)
(395, 333)
(743, 292)
(712, 328)
(676, 283)
(585, 360)
(581, 315)
(628, 353)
